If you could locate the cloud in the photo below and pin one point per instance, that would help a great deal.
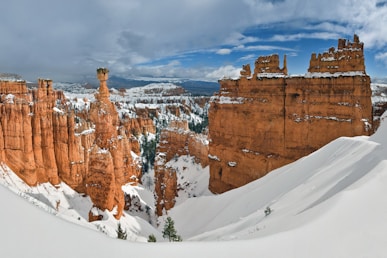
(65, 39)
(227, 71)
(237, 38)
(224, 51)
(298, 36)
(262, 48)
(381, 57)
(247, 58)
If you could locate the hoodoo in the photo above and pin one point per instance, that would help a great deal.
(263, 121)
(43, 139)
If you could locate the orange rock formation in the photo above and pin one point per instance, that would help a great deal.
(261, 123)
(176, 140)
(348, 57)
(41, 142)
(269, 64)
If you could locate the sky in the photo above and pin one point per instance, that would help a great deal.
(201, 39)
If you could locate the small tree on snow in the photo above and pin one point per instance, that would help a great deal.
(121, 234)
(267, 211)
(170, 231)
(152, 238)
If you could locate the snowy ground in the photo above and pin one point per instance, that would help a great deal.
(64, 202)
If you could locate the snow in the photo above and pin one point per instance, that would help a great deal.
(86, 132)
(192, 179)
(10, 98)
(379, 92)
(328, 204)
(271, 75)
(336, 74)
(228, 100)
(232, 164)
(57, 110)
(329, 59)
(214, 157)
(299, 119)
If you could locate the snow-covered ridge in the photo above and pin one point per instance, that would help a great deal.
(156, 88)
(379, 92)
(11, 77)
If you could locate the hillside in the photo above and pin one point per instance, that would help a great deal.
(328, 204)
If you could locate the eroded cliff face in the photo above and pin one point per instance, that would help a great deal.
(262, 122)
(42, 139)
(176, 140)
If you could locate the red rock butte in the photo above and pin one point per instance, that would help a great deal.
(268, 119)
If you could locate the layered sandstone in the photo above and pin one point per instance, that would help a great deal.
(176, 140)
(261, 122)
(42, 139)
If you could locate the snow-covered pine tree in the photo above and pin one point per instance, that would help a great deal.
(170, 231)
(152, 238)
(121, 234)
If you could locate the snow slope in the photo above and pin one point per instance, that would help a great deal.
(331, 203)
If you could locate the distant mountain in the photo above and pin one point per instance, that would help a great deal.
(202, 88)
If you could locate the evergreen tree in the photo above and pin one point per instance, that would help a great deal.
(267, 211)
(170, 231)
(121, 234)
(148, 148)
(152, 238)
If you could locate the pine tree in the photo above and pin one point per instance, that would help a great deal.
(267, 211)
(170, 231)
(121, 234)
(152, 238)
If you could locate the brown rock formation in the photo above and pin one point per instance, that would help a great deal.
(41, 141)
(269, 64)
(110, 162)
(348, 57)
(261, 123)
(246, 70)
(176, 140)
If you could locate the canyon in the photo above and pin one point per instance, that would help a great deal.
(44, 139)
(267, 119)
(261, 121)
(175, 140)
(97, 142)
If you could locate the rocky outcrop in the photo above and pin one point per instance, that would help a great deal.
(27, 141)
(176, 140)
(42, 139)
(268, 64)
(348, 57)
(110, 163)
(261, 122)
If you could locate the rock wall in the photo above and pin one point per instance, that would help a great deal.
(176, 140)
(43, 140)
(260, 123)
